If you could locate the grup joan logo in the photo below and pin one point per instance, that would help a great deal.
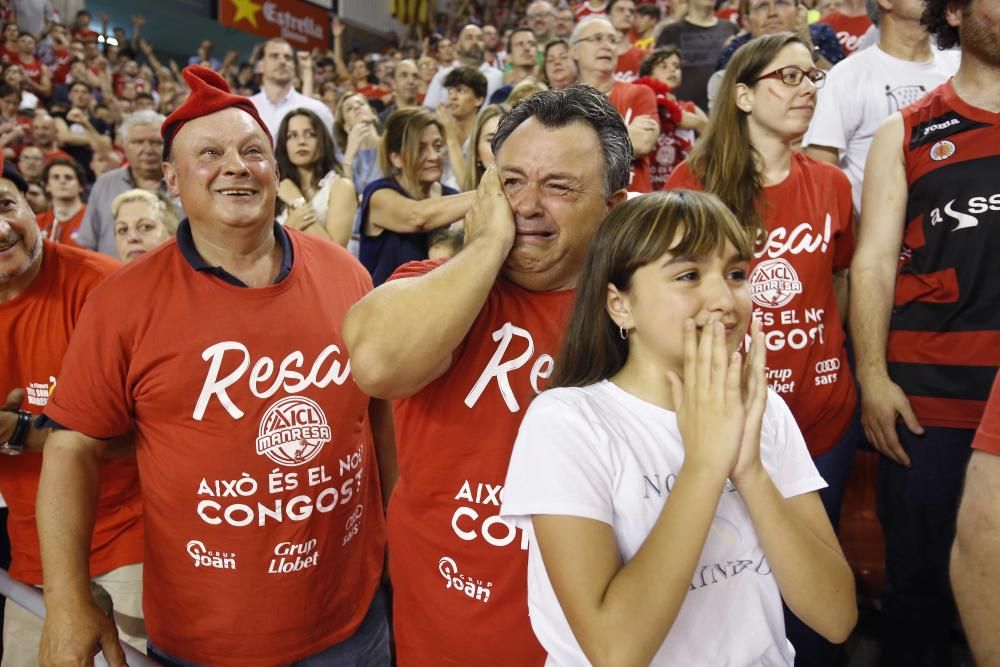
(773, 283)
(211, 558)
(475, 589)
(293, 431)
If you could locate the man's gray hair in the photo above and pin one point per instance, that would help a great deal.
(574, 36)
(874, 11)
(144, 117)
(539, 3)
(578, 103)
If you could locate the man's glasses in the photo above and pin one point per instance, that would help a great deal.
(792, 76)
(608, 38)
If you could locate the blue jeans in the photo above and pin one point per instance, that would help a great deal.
(368, 647)
(811, 649)
(917, 507)
(835, 467)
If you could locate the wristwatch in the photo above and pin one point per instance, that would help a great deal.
(301, 201)
(15, 445)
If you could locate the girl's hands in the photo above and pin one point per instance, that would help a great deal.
(710, 408)
(302, 217)
(748, 462)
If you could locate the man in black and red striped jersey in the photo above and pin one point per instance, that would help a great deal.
(927, 332)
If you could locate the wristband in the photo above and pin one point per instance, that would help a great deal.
(301, 201)
(15, 445)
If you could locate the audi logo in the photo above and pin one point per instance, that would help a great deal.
(828, 365)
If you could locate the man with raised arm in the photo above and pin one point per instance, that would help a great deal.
(277, 96)
(471, 342)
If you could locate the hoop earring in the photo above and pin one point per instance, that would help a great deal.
(622, 332)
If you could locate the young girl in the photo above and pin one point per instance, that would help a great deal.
(680, 121)
(669, 497)
(480, 147)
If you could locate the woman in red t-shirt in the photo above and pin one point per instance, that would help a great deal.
(801, 210)
(766, 101)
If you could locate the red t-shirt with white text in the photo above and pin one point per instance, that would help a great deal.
(459, 572)
(264, 525)
(62, 231)
(808, 218)
(36, 327)
(584, 9)
(849, 29)
(32, 70)
(62, 59)
(632, 101)
(627, 65)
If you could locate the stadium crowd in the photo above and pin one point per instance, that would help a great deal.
(549, 332)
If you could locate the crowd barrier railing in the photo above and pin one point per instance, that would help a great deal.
(29, 598)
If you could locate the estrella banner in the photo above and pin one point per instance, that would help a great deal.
(303, 24)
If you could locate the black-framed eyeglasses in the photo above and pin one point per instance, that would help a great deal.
(613, 40)
(791, 75)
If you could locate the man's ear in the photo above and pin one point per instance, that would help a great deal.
(170, 177)
(953, 13)
(619, 197)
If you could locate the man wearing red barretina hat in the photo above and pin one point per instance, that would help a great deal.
(264, 537)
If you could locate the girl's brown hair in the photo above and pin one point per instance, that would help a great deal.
(640, 231)
(474, 169)
(723, 159)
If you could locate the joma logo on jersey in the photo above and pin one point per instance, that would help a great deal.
(936, 127)
(966, 220)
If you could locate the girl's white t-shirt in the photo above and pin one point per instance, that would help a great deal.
(601, 453)
(320, 200)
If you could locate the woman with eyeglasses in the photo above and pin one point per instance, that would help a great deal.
(800, 210)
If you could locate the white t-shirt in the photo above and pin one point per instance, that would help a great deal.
(601, 453)
(320, 200)
(437, 94)
(860, 93)
(272, 114)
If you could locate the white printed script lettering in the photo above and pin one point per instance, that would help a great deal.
(801, 239)
(498, 369)
(292, 381)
